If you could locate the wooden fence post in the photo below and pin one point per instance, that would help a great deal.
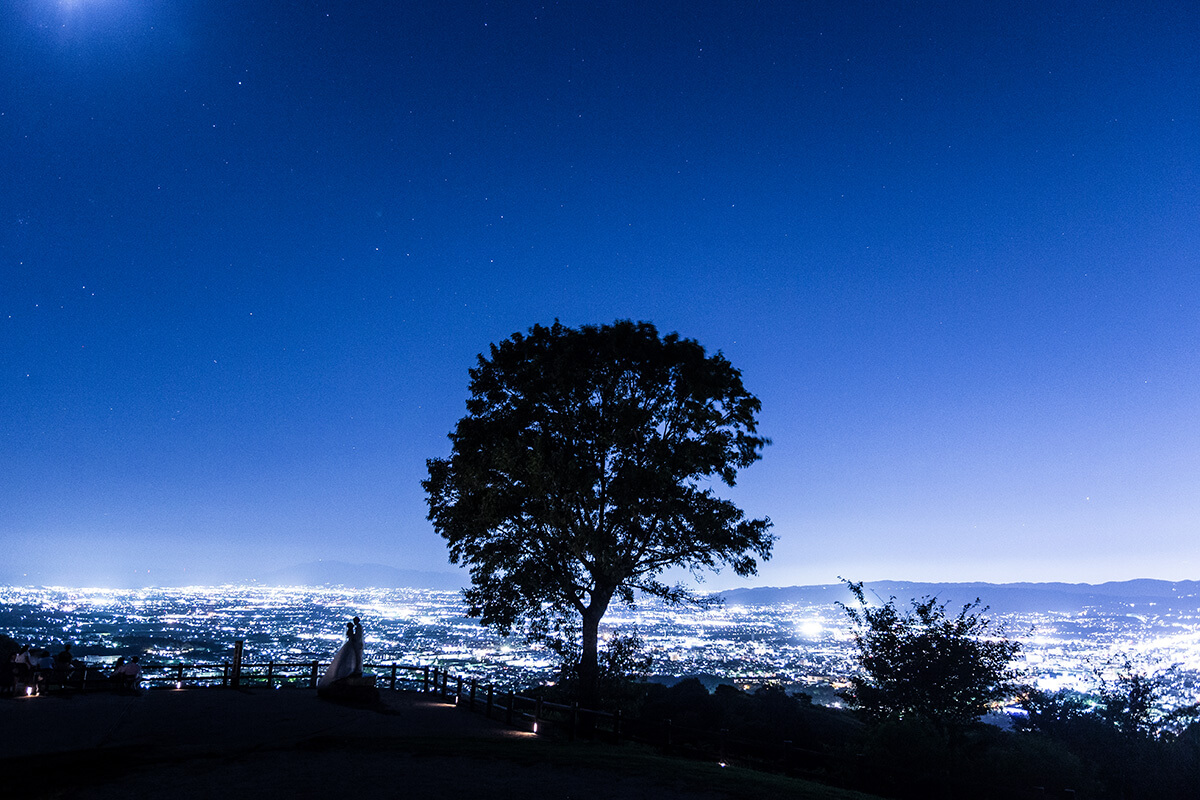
(393, 676)
(312, 676)
(425, 681)
(444, 681)
(270, 674)
(458, 691)
(474, 685)
(236, 678)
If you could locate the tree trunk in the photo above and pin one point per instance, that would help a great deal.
(589, 662)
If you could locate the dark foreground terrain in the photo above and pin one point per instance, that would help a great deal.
(205, 743)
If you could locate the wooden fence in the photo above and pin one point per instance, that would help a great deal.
(276, 674)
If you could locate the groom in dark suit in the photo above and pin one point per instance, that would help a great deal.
(356, 637)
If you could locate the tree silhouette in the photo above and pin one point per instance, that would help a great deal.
(1128, 701)
(926, 663)
(584, 469)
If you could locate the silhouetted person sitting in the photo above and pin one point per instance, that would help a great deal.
(118, 671)
(127, 675)
(64, 664)
(64, 658)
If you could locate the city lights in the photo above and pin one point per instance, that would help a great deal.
(803, 647)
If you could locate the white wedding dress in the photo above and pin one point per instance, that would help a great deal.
(347, 662)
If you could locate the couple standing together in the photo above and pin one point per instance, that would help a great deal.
(348, 662)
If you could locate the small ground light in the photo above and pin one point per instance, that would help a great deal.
(722, 764)
(178, 684)
(535, 726)
(28, 691)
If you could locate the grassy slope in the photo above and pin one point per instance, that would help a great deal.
(633, 761)
(106, 773)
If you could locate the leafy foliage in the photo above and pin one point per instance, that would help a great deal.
(768, 715)
(1128, 744)
(583, 470)
(926, 663)
(622, 669)
(1070, 751)
(8, 648)
(1053, 713)
(1128, 702)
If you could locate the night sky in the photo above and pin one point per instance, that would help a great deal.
(249, 250)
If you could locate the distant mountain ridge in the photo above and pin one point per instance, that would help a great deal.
(999, 597)
(361, 576)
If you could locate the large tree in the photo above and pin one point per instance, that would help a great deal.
(584, 469)
(927, 663)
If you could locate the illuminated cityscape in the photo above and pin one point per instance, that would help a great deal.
(805, 647)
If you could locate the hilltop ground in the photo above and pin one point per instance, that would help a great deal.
(204, 743)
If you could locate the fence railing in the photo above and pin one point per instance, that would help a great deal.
(275, 674)
(541, 716)
(520, 711)
(272, 674)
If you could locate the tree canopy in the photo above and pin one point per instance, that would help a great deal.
(584, 469)
(927, 663)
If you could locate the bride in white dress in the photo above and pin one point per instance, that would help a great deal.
(349, 660)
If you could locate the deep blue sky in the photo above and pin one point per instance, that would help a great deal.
(248, 251)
